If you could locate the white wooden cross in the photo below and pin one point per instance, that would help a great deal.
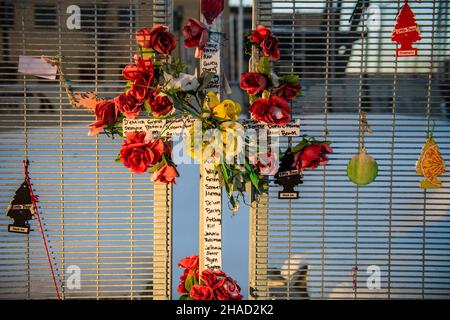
(210, 213)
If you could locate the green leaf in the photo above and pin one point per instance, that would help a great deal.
(189, 282)
(117, 159)
(150, 53)
(148, 108)
(185, 297)
(252, 99)
(264, 66)
(177, 67)
(290, 79)
(127, 86)
(157, 166)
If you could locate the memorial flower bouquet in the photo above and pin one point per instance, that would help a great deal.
(269, 94)
(210, 285)
(158, 87)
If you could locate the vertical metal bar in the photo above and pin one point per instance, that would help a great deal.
(232, 47)
(428, 119)
(130, 26)
(25, 135)
(259, 214)
(325, 107)
(391, 169)
(61, 163)
(97, 164)
(361, 140)
(240, 40)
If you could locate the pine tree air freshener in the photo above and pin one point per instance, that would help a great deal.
(406, 32)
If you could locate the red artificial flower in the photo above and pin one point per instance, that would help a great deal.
(105, 113)
(310, 157)
(211, 280)
(273, 111)
(143, 38)
(139, 89)
(211, 9)
(161, 40)
(267, 163)
(253, 82)
(229, 289)
(258, 35)
(138, 152)
(195, 33)
(142, 70)
(160, 103)
(181, 286)
(190, 263)
(128, 104)
(166, 174)
(288, 91)
(199, 292)
(270, 48)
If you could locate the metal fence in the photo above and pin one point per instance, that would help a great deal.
(337, 236)
(114, 226)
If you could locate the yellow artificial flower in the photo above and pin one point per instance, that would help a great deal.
(221, 143)
(227, 110)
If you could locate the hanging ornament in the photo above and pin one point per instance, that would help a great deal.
(21, 209)
(430, 165)
(362, 169)
(288, 177)
(406, 32)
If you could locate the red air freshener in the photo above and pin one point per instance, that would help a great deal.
(406, 32)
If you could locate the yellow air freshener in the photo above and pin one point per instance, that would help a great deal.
(430, 165)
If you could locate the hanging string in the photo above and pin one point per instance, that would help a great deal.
(354, 277)
(363, 127)
(56, 61)
(34, 200)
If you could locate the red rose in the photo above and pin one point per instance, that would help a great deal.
(273, 111)
(190, 263)
(199, 292)
(143, 68)
(139, 89)
(211, 280)
(211, 9)
(196, 34)
(138, 153)
(160, 103)
(161, 40)
(105, 113)
(229, 289)
(143, 38)
(270, 48)
(181, 287)
(288, 91)
(128, 104)
(253, 82)
(166, 174)
(312, 156)
(258, 35)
